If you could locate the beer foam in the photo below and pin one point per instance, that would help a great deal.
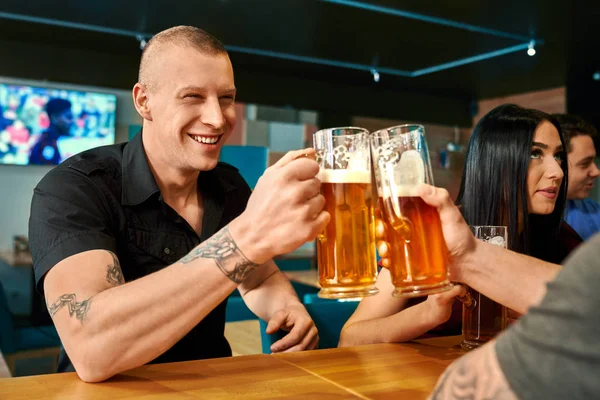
(344, 176)
(401, 191)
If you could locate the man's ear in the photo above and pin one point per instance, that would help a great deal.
(140, 101)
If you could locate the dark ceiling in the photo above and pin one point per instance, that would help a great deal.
(320, 29)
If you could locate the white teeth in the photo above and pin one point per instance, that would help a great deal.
(206, 140)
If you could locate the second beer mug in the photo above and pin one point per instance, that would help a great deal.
(417, 253)
(346, 249)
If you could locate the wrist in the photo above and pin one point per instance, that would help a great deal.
(248, 241)
(287, 297)
(465, 266)
(293, 301)
(431, 312)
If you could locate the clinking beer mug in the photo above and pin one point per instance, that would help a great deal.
(417, 253)
(346, 249)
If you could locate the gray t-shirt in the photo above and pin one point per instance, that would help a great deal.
(553, 352)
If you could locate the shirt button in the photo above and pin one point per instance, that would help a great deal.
(167, 251)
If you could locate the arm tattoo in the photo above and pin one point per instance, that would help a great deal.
(70, 300)
(114, 274)
(227, 255)
(474, 376)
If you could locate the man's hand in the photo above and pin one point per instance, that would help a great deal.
(303, 334)
(458, 235)
(284, 211)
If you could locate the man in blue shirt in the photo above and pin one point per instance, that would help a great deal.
(581, 213)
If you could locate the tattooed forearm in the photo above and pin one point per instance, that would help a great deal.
(228, 257)
(474, 376)
(79, 310)
(114, 274)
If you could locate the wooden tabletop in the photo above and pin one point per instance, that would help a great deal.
(382, 371)
(16, 259)
(308, 277)
(247, 377)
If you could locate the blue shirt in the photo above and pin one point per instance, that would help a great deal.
(583, 216)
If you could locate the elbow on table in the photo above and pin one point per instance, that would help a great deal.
(89, 375)
(346, 339)
(92, 374)
(93, 366)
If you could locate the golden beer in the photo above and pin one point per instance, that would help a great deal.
(417, 253)
(346, 249)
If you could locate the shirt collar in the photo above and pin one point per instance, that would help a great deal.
(138, 182)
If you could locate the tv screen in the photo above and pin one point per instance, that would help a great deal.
(46, 126)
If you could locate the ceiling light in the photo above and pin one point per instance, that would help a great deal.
(596, 76)
(142, 41)
(375, 75)
(531, 49)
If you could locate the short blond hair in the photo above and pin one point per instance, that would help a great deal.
(185, 36)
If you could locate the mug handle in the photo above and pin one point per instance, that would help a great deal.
(391, 205)
(467, 300)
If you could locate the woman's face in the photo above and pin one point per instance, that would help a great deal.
(545, 174)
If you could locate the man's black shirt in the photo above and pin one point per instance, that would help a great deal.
(107, 198)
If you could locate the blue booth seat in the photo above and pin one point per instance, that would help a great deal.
(34, 342)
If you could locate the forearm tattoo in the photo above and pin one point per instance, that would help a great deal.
(114, 274)
(77, 309)
(474, 376)
(227, 255)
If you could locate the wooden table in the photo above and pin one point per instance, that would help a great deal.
(247, 377)
(244, 337)
(382, 371)
(407, 371)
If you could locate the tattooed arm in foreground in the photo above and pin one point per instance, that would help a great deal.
(476, 375)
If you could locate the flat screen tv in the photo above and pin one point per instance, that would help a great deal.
(45, 126)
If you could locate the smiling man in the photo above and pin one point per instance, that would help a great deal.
(582, 213)
(137, 246)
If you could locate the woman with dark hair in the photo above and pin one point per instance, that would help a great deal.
(515, 175)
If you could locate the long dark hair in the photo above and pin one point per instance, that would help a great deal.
(493, 190)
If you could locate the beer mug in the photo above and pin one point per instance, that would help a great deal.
(417, 253)
(346, 249)
(482, 317)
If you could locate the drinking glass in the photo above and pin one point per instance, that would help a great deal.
(346, 249)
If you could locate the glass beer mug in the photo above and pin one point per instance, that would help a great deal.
(417, 253)
(346, 249)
